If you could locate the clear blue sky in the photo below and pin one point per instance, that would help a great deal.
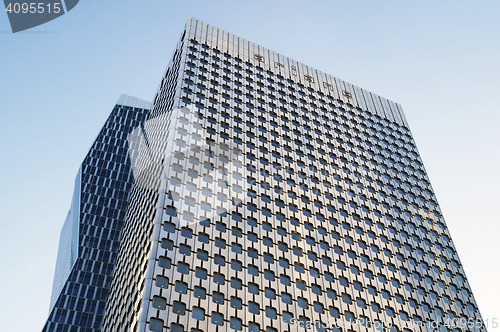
(59, 82)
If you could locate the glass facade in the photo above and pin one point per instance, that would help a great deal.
(90, 235)
(273, 197)
(269, 196)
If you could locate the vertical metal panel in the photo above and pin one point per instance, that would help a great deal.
(204, 32)
(190, 28)
(360, 97)
(372, 98)
(335, 89)
(246, 46)
(295, 70)
(341, 88)
(252, 50)
(321, 82)
(369, 102)
(305, 71)
(220, 39)
(282, 65)
(256, 50)
(318, 80)
(241, 48)
(192, 32)
(330, 88)
(301, 71)
(272, 59)
(210, 33)
(233, 42)
(395, 112)
(387, 109)
(402, 114)
(378, 106)
(208, 36)
(311, 75)
(239, 42)
(214, 37)
(324, 83)
(353, 101)
(226, 40)
(287, 69)
(265, 58)
(244, 49)
(264, 53)
(198, 31)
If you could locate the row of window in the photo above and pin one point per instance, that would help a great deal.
(185, 249)
(292, 87)
(300, 180)
(384, 138)
(325, 260)
(235, 302)
(337, 206)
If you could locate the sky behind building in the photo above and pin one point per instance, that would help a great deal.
(60, 80)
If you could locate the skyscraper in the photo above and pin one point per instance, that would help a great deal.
(89, 237)
(268, 195)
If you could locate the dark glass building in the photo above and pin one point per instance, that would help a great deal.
(89, 238)
(269, 196)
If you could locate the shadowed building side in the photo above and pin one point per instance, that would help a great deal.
(90, 234)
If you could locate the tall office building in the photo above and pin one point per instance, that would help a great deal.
(269, 195)
(89, 237)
